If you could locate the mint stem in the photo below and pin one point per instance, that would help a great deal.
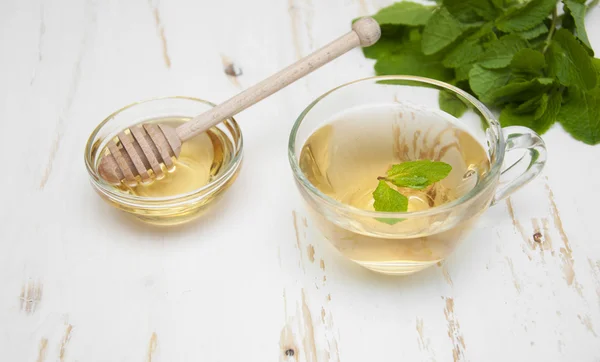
(592, 4)
(382, 178)
(552, 29)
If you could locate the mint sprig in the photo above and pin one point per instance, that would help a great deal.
(520, 56)
(412, 174)
(417, 174)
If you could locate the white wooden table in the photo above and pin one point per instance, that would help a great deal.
(252, 281)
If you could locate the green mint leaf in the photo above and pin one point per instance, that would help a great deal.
(504, 4)
(569, 61)
(466, 52)
(412, 174)
(462, 72)
(545, 81)
(418, 174)
(525, 16)
(577, 11)
(533, 105)
(510, 117)
(547, 113)
(407, 58)
(521, 91)
(534, 32)
(413, 64)
(388, 199)
(441, 30)
(470, 49)
(580, 115)
(451, 103)
(486, 33)
(500, 53)
(388, 220)
(471, 10)
(411, 181)
(528, 61)
(542, 107)
(499, 4)
(493, 49)
(404, 13)
(391, 41)
(568, 22)
(596, 64)
(483, 81)
(395, 39)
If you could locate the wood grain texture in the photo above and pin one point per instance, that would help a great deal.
(239, 283)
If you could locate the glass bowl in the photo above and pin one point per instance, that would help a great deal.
(170, 210)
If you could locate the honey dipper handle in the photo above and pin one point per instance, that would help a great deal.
(364, 32)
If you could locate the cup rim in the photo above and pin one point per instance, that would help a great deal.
(484, 184)
(108, 189)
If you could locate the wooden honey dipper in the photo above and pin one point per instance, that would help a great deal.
(139, 153)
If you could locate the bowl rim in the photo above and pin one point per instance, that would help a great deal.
(166, 201)
(486, 181)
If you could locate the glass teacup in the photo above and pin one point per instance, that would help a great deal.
(406, 121)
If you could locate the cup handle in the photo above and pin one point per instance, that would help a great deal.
(535, 158)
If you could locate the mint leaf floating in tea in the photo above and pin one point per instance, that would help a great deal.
(412, 174)
(389, 200)
(417, 174)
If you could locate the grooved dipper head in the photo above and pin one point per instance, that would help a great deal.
(139, 154)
